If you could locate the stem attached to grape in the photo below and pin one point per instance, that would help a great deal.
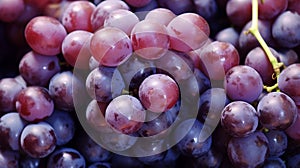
(255, 32)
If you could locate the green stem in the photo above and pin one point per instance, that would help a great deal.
(255, 32)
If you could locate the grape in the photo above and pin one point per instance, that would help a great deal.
(177, 6)
(90, 150)
(288, 82)
(211, 159)
(161, 15)
(202, 80)
(188, 31)
(11, 126)
(125, 113)
(9, 159)
(249, 151)
(258, 60)
(75, 48)
(277, 111)
(104, 84)
(293, 131)
(284, 29)
(122, 19)
(239, 119)
(11, 10)
(243, 83)
(66, 157)
(9, 89)
(60, 89)
(29, 162)
(158, 93)
(150, 6)
(206, 8)
(34, 103)
(77, 16)
(150, 40)
(239, 11)
(37, 69)
(287, 56)
(229, 35)
(63, 125)
(100, 165)
(45, 35)
(269, 9)
(278, 142)
(192, 144)
(103, 9)
(294, 6)
(56, 10)
(110, 46)
(137, 4)
(217, 58)
(40, 4)
(274, 162)
(38, 140)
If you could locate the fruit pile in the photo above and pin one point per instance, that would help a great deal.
(149, 83)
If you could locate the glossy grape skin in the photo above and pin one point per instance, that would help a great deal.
(158, 93)
(9, 159)
(60, 89)
(243, 83)
(277, 111)
(104, 84)
(191, 144)
(11, 126)
(75, 48)
(45, 35)
(285, 29)
(293, 131)
(229, 35)
(150, 40)
(9, 89)
(250, 151)
(103, 9)
(37, 69)
(271, 9)
(188, 31)
(11, 10)
(38, 140)
(125, 114)
(111, 46)
(239, 11)
(289, 80)
(66, 157)
(63, 125)
(258, 60)
(122, 19)
(239, 119)
(160, 15)
(278, 142)
(217, 58)
(77, 16)
(34, 103)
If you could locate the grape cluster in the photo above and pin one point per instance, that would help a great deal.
(149, 83)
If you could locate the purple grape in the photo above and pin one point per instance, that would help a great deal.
(104, 84)
(278, 142)
(289, 80)
(192, 144)
(206, 8)
(60, 89)
(29, 162)
(270, 9)
(38, 140)
(63, 125)
(293, 131)
(126, 114)
(239, 11)
(243, 83)
(9, 159)
(284, 29)
(100, 165)
(239, 119)
(211, 159)
(250, 151)
(11, 126)
(66, 157)
(287, 56)
(177, 6)
(229, 35)
(277, 111)
(9, 89)
(34, 103)
(158, 93)
(37, 69)
(11, 10)
(274, 162)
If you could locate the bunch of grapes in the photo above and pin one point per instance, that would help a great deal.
(149, 83)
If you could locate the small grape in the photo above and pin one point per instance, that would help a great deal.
(66, 157)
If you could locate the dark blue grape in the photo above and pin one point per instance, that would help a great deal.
(66, 158)
(278, 142)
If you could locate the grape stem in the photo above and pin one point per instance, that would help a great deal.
(255, 32)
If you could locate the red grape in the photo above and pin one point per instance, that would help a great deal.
(10, 10)
(138, 3)
(239, 11)
(160, 15)
(270, 9)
